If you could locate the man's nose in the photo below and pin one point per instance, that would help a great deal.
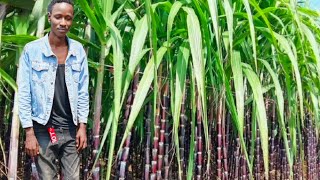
(63, 22)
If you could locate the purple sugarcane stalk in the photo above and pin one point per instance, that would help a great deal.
(162, 132)
(148, 144)
(219, 147)
(199, 139)
(272, 141)
(258, 155)
(156, 139)
(97, 113)
(124, 155)
(182, 130)
(237, 159)
(211, 126)
(165, 127)
(224, 137)
(244, 172)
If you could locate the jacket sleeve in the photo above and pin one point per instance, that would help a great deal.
(24, 94)
(83, 95)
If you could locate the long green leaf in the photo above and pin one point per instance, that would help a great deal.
(238, 85)
(280, 107)
(198, 65)
(262, 117)
(182, 66)
(118, 63)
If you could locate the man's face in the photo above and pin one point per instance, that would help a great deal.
(61, 19)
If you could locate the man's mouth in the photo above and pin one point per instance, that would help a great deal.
(62, 30)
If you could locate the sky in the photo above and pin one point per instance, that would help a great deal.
(315, 4)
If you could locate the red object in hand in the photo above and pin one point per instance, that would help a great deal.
(53, 136)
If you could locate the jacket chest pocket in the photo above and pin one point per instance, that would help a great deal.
(76, 68)
(39, 71)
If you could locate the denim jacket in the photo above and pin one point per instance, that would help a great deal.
(36, 79)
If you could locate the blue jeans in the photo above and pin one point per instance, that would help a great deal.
(64, 150)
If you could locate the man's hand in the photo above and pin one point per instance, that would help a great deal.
(31, 143)
(81, 138)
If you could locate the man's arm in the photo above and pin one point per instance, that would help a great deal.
(83, 95)
(83, 103)
(24, 104)
(24, 92)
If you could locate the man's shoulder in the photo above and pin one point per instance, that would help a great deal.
(76, 47)
(75, 43)
(35, 44)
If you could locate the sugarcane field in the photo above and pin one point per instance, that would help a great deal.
(160, 89)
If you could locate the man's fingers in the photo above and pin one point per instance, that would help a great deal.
(37, 149)
(77, 141)
(81, 144)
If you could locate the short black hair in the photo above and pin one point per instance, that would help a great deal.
(53, 2)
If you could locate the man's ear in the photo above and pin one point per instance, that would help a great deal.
(49, 15)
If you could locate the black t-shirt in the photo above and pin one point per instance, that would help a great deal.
(61, 115)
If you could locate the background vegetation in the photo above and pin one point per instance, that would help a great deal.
(188, 89)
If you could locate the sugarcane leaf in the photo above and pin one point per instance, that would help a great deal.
(229, 16)
(173, 12)
(182, 66)
(252, 31)
(93, 20)
(198, 65)
(116, 41)
(97, 4)
(83, 41)
(39, 8)
(314, 45)
(280, 108)
(18, 39)
(261, 112)
(213, 8)
(8, 79)
(284, 44)
(238, 86)
(138, 41)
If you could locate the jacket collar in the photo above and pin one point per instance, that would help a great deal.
(47, 48)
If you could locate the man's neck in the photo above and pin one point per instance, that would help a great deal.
(56, 42)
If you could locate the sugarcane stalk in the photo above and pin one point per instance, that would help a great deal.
(124, 155)
(162, 135)
(166, 128)
(272, 142)
(156, 139)
(224, 143)
(237, 159)
(182, 134)
(148, 143)
(219, 147)
(199, 139)
(258, 155)
(211, 130)
(97, 111)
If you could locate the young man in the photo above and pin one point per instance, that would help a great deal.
(53, 96)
